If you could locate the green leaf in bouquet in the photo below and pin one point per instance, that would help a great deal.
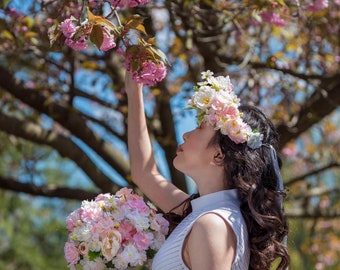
(93, 255)
(150, 253)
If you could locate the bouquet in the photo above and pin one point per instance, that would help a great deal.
(114, 232)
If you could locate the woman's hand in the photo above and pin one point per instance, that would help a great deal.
(131, 87)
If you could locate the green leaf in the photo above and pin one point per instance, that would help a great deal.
(150, 253)
(53, 33)
(99, 20)
(97, 35)
(136, 23)
(93, 255)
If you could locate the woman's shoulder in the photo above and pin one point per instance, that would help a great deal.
(219, 241)
(212, 223)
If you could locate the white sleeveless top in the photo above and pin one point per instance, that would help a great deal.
(224, 203)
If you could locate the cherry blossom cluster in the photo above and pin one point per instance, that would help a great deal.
(217, 104)
(79, 41)
(114, 232)
(144, 60)
(127, 3)
(143, 69)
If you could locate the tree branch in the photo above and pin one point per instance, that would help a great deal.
(64, 145)
(302, 213)
(67, 118)
(319, 105)
(46, 191)
(311, 173)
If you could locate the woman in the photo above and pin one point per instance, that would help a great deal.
(237, 220)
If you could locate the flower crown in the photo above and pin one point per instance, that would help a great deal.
(217, 104)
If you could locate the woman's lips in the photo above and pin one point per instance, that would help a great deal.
(179, 149)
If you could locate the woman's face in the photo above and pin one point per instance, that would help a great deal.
(195, 153)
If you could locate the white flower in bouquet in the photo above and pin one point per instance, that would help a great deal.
(114, 232)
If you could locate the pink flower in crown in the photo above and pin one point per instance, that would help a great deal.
(216, 104)
(108, 40)
(68, 28)
(230, 112)
(237, 130)
(71, 253)
(212, 118)
(142, 240)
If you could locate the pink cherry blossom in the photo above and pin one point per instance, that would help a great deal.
(108, 41)
(318, 5)
(77, 45)
(150, 73)
(272, 18)
(129, 3)
(68, 28)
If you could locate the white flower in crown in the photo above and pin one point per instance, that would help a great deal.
(217, 104)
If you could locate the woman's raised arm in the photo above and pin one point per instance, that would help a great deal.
(144, 170)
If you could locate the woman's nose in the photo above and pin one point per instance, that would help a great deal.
(185, 136)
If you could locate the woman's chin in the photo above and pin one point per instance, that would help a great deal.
(176, 164)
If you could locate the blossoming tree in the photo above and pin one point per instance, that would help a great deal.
(62, 66)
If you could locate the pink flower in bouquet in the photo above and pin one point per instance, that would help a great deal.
(111, 244)
(142, 239)
(71, 253)
(73, 218)
(114, 231)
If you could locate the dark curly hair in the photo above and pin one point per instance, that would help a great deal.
(252, 173)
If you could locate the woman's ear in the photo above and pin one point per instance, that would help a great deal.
(218, 156)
